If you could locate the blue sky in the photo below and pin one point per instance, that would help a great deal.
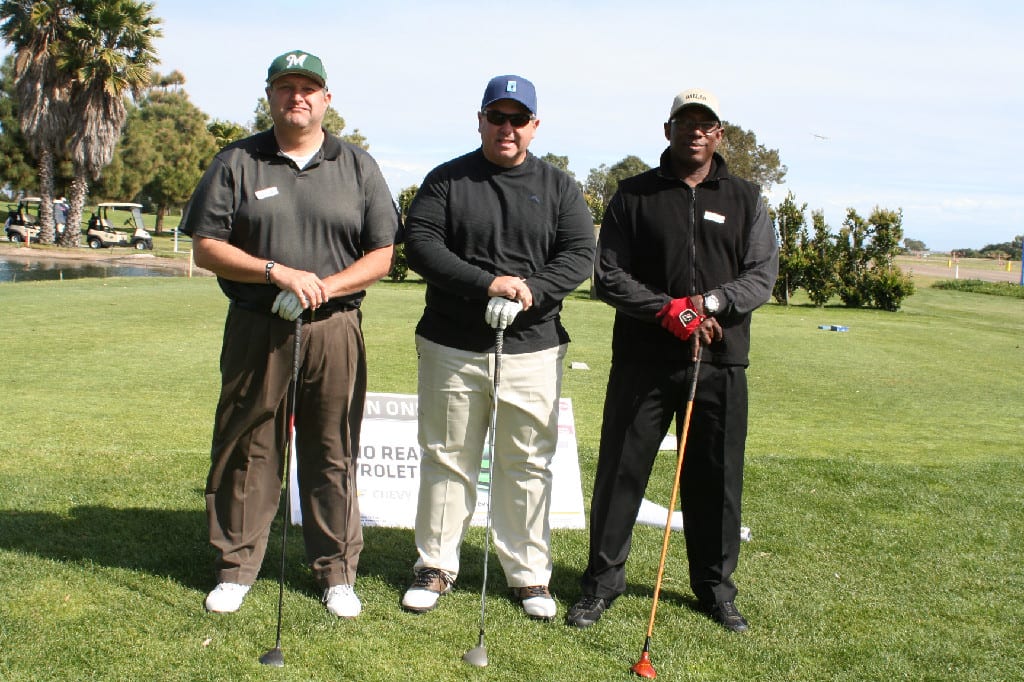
(910, 105)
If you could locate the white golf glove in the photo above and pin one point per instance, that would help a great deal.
(287, 305)
(501, 312)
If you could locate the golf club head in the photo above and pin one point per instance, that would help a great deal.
(274, 657)
(477, 656)
(643, 667)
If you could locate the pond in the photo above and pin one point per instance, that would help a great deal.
(40, 270)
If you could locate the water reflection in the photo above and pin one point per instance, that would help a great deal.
(38, 271)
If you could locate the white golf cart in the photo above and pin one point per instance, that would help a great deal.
(22, 224)
(103, 233)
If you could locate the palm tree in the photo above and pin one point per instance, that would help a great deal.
(111, 54)
(37, 31)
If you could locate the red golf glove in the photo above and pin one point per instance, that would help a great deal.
(680, 317)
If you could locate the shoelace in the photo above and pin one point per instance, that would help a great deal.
(342, 590)
(588, 603)
(533, 591)
(426, 578)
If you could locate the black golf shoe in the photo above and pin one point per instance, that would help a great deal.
(728, 616)
(586, 611)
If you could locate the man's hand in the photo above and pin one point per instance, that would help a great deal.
(515, 288)
(501, 312)
(680, 317)
(287, 305)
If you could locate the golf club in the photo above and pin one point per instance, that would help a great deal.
(275, 657)
(644, 667)
(477, 656)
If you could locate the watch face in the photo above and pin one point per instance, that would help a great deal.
(711, 304)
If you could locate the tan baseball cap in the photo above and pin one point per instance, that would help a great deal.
(695, 96)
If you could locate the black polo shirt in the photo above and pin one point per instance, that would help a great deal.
(321, 218)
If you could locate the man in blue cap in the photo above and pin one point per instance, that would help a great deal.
(500, 237)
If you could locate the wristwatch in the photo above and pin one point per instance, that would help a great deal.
(711, 304)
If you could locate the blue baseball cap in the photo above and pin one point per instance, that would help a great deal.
(511, 87)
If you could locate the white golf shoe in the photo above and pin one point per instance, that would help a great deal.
(226, 597)
(536, 601)
(341, 600)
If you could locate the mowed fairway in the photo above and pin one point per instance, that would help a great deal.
(884, 491)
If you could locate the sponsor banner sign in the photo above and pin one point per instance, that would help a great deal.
(389, 467)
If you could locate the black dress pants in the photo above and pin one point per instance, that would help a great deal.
(641, 401)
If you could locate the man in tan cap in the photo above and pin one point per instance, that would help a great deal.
(686, 254)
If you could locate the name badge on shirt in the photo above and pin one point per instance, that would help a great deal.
(714, 217)
(266, 192)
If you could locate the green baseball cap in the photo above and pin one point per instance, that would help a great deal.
(297, 61)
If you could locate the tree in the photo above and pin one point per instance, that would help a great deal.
(866, 251)
(110, 51)
(184, 147)
(750, 160)
(400, 268)
(163, 152)
(1003, 250)
(16, 163)
(38, 32)
(333, 123)
(819, 277)
(559, 162)
(226, 132)
(602, 182)
(914, 245)
(790, 226)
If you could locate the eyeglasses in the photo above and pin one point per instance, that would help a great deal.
(703, 126)
(498, 118)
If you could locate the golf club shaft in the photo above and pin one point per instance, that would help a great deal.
(499, 342)
(289, 453)
(675, 490)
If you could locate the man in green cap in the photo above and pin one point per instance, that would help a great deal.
(294, 222)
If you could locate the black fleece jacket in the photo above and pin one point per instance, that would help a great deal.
(662, 239)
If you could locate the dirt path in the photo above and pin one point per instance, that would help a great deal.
(112, 256)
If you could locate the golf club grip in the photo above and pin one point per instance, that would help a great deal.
(696, 371)
(297, 349)
(499, 343)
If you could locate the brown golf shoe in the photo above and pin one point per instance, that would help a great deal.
(536, 601)
(427, 587)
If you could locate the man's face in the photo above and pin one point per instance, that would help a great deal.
(297, 102)
(505, 144)
(691, 142)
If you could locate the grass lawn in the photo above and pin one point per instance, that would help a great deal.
(884, 489)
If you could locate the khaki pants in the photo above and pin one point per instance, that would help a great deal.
(455, 397)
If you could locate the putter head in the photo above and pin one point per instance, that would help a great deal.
(643, 667)
(274, 657)
(477, 656)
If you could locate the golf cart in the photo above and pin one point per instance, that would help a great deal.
(22, 224)
(102, 232)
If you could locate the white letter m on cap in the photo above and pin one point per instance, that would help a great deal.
(510, 86)
(296, 60)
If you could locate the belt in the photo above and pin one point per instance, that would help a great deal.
(309, 315)
(327, 310)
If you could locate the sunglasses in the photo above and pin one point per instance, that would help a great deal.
(498, 118)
